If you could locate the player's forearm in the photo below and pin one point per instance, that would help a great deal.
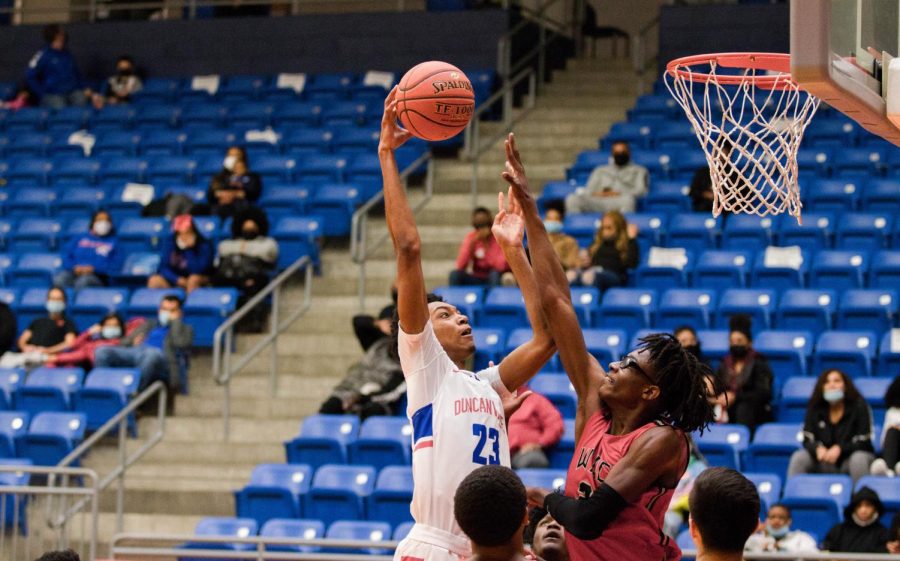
(549, 275)
(400, 221)
(521, 269)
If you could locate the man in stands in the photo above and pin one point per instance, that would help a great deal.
(615, 186)
(153, 347)
(53, 74)
(491, 508)
(724, 513)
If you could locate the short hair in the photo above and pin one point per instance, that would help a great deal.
(66, 555)
(173, 298)
(621, 142)
(535, 516)
(725, 508)
(395, 325)
(490, 504)
(51, 31)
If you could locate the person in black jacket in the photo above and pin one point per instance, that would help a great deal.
(8, 329)
(747, 378)
(837, 431)
(612, 255)
(860, 532)
(235, 187)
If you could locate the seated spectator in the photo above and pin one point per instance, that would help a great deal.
(81, 352)
(53, 74)
(534, 428)
(701, 191)
(893, 543)
(247, 259)
(89, 259)
(372, 386)
(235, 187)
(776, 534)
(615, 186)
(52, 333)
(369, 329)
(613, 253)
(480, 259)
(747, 378)
(186, 258)
(565, 246)
(119, 87)
(889, 462)
(679, 509)
(860, 532)
(8, 328)
(153, 346)
(687, 336)
(22, 98)
(545, 536)
(836, 430)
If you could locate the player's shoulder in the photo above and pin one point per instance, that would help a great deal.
(661, 437)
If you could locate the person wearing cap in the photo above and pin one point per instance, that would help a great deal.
(747, 378)
(861, 531)
(186, 258)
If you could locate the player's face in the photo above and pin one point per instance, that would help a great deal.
(452, 330)
(549, 540)
(629, 378)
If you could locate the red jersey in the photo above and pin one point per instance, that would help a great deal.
(636, 534)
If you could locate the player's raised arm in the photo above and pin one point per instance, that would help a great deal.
(411, 304)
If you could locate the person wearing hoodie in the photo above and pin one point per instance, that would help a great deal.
(747, 377)
(837, 430)
(89, 259)
(53, 74)
(889, 462)
(861, 531)
(186, 258)
(893, 543)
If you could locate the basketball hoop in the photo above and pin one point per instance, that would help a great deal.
(749, 115)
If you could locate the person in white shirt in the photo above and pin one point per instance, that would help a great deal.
(458, 417)
(776, 534)
(615, 186)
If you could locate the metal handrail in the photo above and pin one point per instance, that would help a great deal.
(360, 250)
(639, 59)
(223, 338)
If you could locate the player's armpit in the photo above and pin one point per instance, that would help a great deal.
(656, 458)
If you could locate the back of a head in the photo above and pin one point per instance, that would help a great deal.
(67, 555)
(724, 509)
(490, 505)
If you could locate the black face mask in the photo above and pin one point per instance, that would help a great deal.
(125, 72)
(249, 234)
(622, 158)
(738, 351)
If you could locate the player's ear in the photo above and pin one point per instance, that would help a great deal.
(651, 392)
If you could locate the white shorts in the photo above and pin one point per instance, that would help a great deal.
(425, 543)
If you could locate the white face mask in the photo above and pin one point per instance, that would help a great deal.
(229, 162)
(182, 245)
(102, 227)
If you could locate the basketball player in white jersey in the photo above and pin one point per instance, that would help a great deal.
(458, 417)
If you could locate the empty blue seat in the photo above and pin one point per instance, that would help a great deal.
(10, 381)
(582, 227)
(207, 308)
(51, 437)
(323, 439)
(274, 491)
(116, 143)
(606, 345)
(75, 171)
(651, 226)
(137, 268)
(560, 455)
(685, 163)
(814, 161)
(297, 236)
(585, 300)
(748, 231)
(549, 479)
(114, 116)
(504, 307)
(885, 269)
(35, 235)
(629, 309)
(298, 113)
(888, 357)
(873, 391)
(838, 133)
(850, 351)
(121, 169)
(353, 141)
(293, 529)
(364, 170)
(657, 162)
(787, 352)
(219, 526)
(719, 270)
(141, 234)
(833, 195)
(817, 501)
(163, 142)
(772, 446)
(467, 299)
(382, 441)
(157, 115)
(344, 113)
(663, 268)
(339, 492)
(873, 309)
(79, 201)
(795, 396)
(557, 389)
(489, 346)
(321, 168)
(855, 162)
(285, 200)
(723, 445)
(91, 304)
(176, 169)
(49, 389)
(31, 201)
(679, 135)
(638, 135)
(250, 115)
(814, 233)
(390, 501)
(336, 205)
(780, 268)
(209, 141)
(694, 231)
(881, 195)
(768, 485)
(810, 310)
(686, 306)
(650, 107)
(6, 264)
(715, 343)
(13, 425)
(33, 144)
(866, 231)
(105, 392)
(34, 269)
(358, 530)
(667, 197)
(839, 269)
(758, 303)
(299, 142)
(203, 114)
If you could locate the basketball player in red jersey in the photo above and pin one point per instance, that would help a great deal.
(630, 425)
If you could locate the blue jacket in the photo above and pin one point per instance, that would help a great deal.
(101, 253)
(53, 72)
(175, 263)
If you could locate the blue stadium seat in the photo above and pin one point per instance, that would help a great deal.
(203, 114)
(814, 233)
(358, 530)
(653, 108)
(208, 227)
(300, 142)
(850, 351)
(79, 201)
(250, 115)
(141, 234)
(549, 479)
(873, 309)
(31, 201)
(558, 390)
(115, 116)
(205, 309)
(27, 119)
(667, 197)
(585, 300)
(35, 235)
(810, 310)
(323, 440)
(866, 231)
(274, 491)
(293, 529)
(6, 264)
(629, 309)
(715, 343)
(888, 491)
(382, 441)
(196, 193)
(585, 163)
(855, 162)
(298, 113)
(582, 227)
(32, 144)
(34, 269)
(69, 118)
(719, 269)
(814, 161)
(13, 425)
(116, 143)
(401, 531)
(209, 141)
(674, 135)
(504, 307)
(560, 455)
(145, 301)
(10, 381)
(222, 527)
(768, 485)
(7, 225)
(839, 269)
(75, 171)
(163, 142)
(284, 200)
(873, 390)
(694, 231)
(390, 501)
(830, 133)
(330, 86)
(723, 445)
(175, 169)
(321, 168)
(817, 501)
(355, 141)
(159, 116)
(51, 437)
(606, 345)
(787, 352)
(686, 306)
(364, 170)
(686, 161)
(137, 268)
(9, 296)
(339, 492)
(637, 135)
(775, 268)
(881, 195)
(758, 303)
(344, 114)
(651, 226)
(91, 304)
(336, 204)
(297, 236)
(748, 232)
(885, 269)
(105, 392)
(888, 357)
(660, 274)
(467, 299)
(120, 169)
(795, 395)
(833, 195)
(49, 389)
(489, 345)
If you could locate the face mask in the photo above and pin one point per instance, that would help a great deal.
(833, 396)
(102, 227)
(163, 317)
(479, 227)
(860, 522)
(182, 244)
(229, 162)
(738, 351)
(249, 234)
(621, 159)
(110, 332)
(777, 533)
(56, 306)
(553, 226)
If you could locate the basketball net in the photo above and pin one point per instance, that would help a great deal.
(749, 124)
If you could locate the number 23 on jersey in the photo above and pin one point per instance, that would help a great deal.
(487, 437)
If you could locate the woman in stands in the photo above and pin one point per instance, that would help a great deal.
(52, 333)
(613, 253)
(889, 462)
(235, 187)
(458, 417)
(81, 353)
(631, 422)
(89, 259)
(837, 431)
(747, 377)
(186, 258)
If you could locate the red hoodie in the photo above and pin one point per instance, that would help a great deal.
(537, 421)
(84, 346)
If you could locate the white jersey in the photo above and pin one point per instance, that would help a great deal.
(458, 425)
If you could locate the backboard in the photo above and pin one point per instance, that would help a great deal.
(842, 52)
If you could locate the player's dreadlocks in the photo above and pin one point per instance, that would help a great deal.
(682, 382)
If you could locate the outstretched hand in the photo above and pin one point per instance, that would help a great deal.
(512, 401)
(509, 225)
(514, 172)
(392, 134)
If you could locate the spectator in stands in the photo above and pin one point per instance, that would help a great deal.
(372, 386)
(724, 512)
(679, 509)
(776, 534)
(701, 191)
(836, 430)
(687, 336)
(53, 74)
(545, 536)
(612, 254)
(153, 346)
(186, 258)
(860, 532)
(8, 328)
(615, 186)
(889, 462)
(81, 352)
(893, 543)
(247, 259)
(747, 377)
(119, 87)
(491, 508)
(235, 187)
(52, 333)
(89, 259)
(479, 253)
(67, 555)
(369, 329)
(536, 426)
(22, 98)
(565, 246)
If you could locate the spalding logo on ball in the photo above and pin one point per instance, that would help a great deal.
(435, 100)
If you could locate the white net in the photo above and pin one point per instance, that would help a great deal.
(749, 133)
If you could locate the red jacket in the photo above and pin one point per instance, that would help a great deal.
(484, 256)
(537, 421)
(84, 346)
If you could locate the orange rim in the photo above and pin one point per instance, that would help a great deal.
(772, 62)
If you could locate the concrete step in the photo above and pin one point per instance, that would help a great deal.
(212, 452)
(197, 429)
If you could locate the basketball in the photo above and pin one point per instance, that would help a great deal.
(435, 100)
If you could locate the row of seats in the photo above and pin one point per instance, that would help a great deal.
(44, 439)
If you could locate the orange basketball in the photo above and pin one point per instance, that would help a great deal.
(435, 100)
